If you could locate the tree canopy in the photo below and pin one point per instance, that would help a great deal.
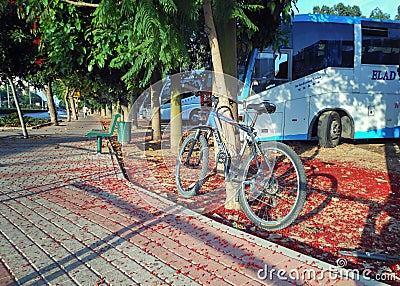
(338, 9)
(107, 47)
(17, 50)
(378, 14)
(343, 10)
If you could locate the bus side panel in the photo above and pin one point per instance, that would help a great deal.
(377, 117)
(374, 115)
(270, 128)
(296, 119)
(380, 89)
(165, 111)
(379, 78)
(327, 89)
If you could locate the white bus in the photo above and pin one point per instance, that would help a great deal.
(339, 77)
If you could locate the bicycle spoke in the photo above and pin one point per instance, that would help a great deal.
(274, 194)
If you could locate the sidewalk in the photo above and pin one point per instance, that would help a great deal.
(68, 217)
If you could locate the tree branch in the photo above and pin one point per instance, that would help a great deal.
(81, 4)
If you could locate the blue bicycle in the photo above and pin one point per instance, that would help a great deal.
(270, 176)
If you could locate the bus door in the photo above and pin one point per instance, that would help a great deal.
(271, 69)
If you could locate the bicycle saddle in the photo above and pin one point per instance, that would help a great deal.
(261, 106)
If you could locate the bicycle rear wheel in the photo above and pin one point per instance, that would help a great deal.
(191, 165)
(273, 192)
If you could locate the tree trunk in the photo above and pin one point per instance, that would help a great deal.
(135, 110)
(176, 116)
(20, 115)
(219, 88)
(109, 108)
(50, 104)
(156, 116)
(124, 112)
(117, 108)
(227, 39)
(67, 106)
(219, 85)
(72, 105)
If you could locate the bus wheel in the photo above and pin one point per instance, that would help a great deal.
(329, 129)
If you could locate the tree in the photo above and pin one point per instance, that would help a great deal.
(17, 53)
(342, 10)
(59, 33)
(62, 34)
(338, 9)
(146, 39)
(378, 14)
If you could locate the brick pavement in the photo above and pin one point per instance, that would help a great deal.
(68, 217)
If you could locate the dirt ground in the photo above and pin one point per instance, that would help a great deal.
(382, 155)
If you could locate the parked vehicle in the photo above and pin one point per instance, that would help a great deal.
(190, 108)
(191, 101)
(339, 77)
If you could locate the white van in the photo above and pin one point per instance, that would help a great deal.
(190, 107)
(190, 101)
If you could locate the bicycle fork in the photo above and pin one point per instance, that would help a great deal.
(187, 160)
(257, 186)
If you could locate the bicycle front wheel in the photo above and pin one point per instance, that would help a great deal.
(273, 191)
(191, 165)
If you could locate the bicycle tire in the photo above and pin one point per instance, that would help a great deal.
(273, 199)
(196, 170)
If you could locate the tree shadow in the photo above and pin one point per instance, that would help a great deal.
(384, 237)
(381, 229)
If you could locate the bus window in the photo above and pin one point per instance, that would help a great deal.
(320, 45)
(380, 43)
(282, 67)
(271, 69)
(264, 71)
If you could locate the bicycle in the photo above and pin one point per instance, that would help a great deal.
(271, 176)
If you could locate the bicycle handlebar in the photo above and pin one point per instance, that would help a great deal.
(260, 107)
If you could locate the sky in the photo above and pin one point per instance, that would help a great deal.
(366, 6)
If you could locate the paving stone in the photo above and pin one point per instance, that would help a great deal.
(116, 277)
(69, 218)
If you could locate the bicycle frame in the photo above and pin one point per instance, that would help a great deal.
(211, 126)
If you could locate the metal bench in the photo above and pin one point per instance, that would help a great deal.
(102, 133)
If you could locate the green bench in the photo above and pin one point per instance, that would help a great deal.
(102, 133)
